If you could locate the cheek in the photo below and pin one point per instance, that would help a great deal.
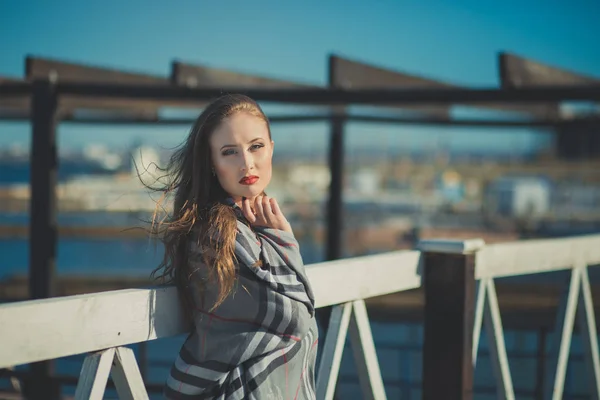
(224, 167)
(265, 167)
(264, 158)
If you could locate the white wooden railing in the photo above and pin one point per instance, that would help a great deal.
(534, 257)
(102, 324)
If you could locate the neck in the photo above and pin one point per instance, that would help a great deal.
(238, 201)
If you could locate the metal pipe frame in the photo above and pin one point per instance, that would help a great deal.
(320, 96)
(487, 123)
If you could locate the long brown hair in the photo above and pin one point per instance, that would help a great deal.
(198, 208)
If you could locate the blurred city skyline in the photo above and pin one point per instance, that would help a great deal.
(454, 42)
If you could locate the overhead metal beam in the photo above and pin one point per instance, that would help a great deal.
(4, 79)
(323, 96)
(10, 88)
(132, 119)
(11, 101)
(326, 96)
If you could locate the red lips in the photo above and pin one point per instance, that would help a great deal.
(249, 180)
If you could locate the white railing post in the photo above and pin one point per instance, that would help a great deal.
(126, 376)
(575, 302)
(117, 362)
(350, 316)
(365, 356)
(94, 375)
(495, 335)
(481, 289)
(589, 335)
(559, 353)
(333, 349)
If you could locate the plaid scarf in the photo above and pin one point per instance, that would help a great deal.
(261, 342)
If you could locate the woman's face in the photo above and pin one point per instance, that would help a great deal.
(242, 153)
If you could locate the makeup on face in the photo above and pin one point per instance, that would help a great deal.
(242, 153)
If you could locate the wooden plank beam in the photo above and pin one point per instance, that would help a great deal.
(520, 72)
(182, 74)
(198, 76)
(55, 70)
(62, 71)
(517, 72)
(191, 75)
(352, 74)
(571, 143)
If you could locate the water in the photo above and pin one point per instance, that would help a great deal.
(398, 345)
(19, 172)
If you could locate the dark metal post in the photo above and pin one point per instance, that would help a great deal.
(42, 225)
(449, 286)
(335, 211)
(335, 203)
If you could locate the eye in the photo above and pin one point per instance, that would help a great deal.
(257, 146)
(228, 152)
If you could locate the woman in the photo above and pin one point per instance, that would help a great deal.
(237, 266)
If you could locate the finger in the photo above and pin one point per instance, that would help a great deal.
(278, 215)
(266, 204)
(275, 207)
(248, 211)
(259, 209)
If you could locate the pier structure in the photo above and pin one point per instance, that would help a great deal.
(55, 92)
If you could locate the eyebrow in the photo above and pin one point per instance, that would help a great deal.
(234, 145)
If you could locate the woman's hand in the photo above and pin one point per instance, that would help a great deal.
(265, 212)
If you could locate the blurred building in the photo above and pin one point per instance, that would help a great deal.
(518, 197)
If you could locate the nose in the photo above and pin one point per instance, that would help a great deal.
(247, 162)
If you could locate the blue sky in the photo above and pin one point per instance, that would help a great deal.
(454, 41)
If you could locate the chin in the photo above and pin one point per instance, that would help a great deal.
(249, 192)
(253, 191)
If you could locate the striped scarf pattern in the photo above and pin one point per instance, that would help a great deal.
(261, 342)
